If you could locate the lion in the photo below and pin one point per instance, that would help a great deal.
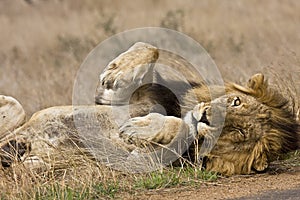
(239, 131)
(260, 123)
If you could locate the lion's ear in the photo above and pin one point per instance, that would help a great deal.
(257, 84)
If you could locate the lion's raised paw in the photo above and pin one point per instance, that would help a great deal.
(129, 67)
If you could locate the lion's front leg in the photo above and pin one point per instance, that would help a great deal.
(154, 128)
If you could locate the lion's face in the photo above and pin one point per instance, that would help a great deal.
(256, 128)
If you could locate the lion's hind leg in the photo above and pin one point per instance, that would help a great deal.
(125, 73)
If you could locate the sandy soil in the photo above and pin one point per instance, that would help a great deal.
(280, 181)
(252, 187)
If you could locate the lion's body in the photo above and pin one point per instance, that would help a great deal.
(258, 126)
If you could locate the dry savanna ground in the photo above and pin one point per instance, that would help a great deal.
(43, 43)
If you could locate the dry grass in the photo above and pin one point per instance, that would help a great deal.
(44, 43)
(80, 177)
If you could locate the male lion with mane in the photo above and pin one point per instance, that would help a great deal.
(259, 125)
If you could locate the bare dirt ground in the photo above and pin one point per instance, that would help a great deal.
(279, 185)
(43, 43)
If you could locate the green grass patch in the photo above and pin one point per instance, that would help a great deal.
(174, 177)
(106, 189)
(195, 174)
(156, 180)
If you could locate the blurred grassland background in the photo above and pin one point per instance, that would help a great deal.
(43, 42)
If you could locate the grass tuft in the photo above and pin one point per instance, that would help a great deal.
(174, 177)
(106, 189)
